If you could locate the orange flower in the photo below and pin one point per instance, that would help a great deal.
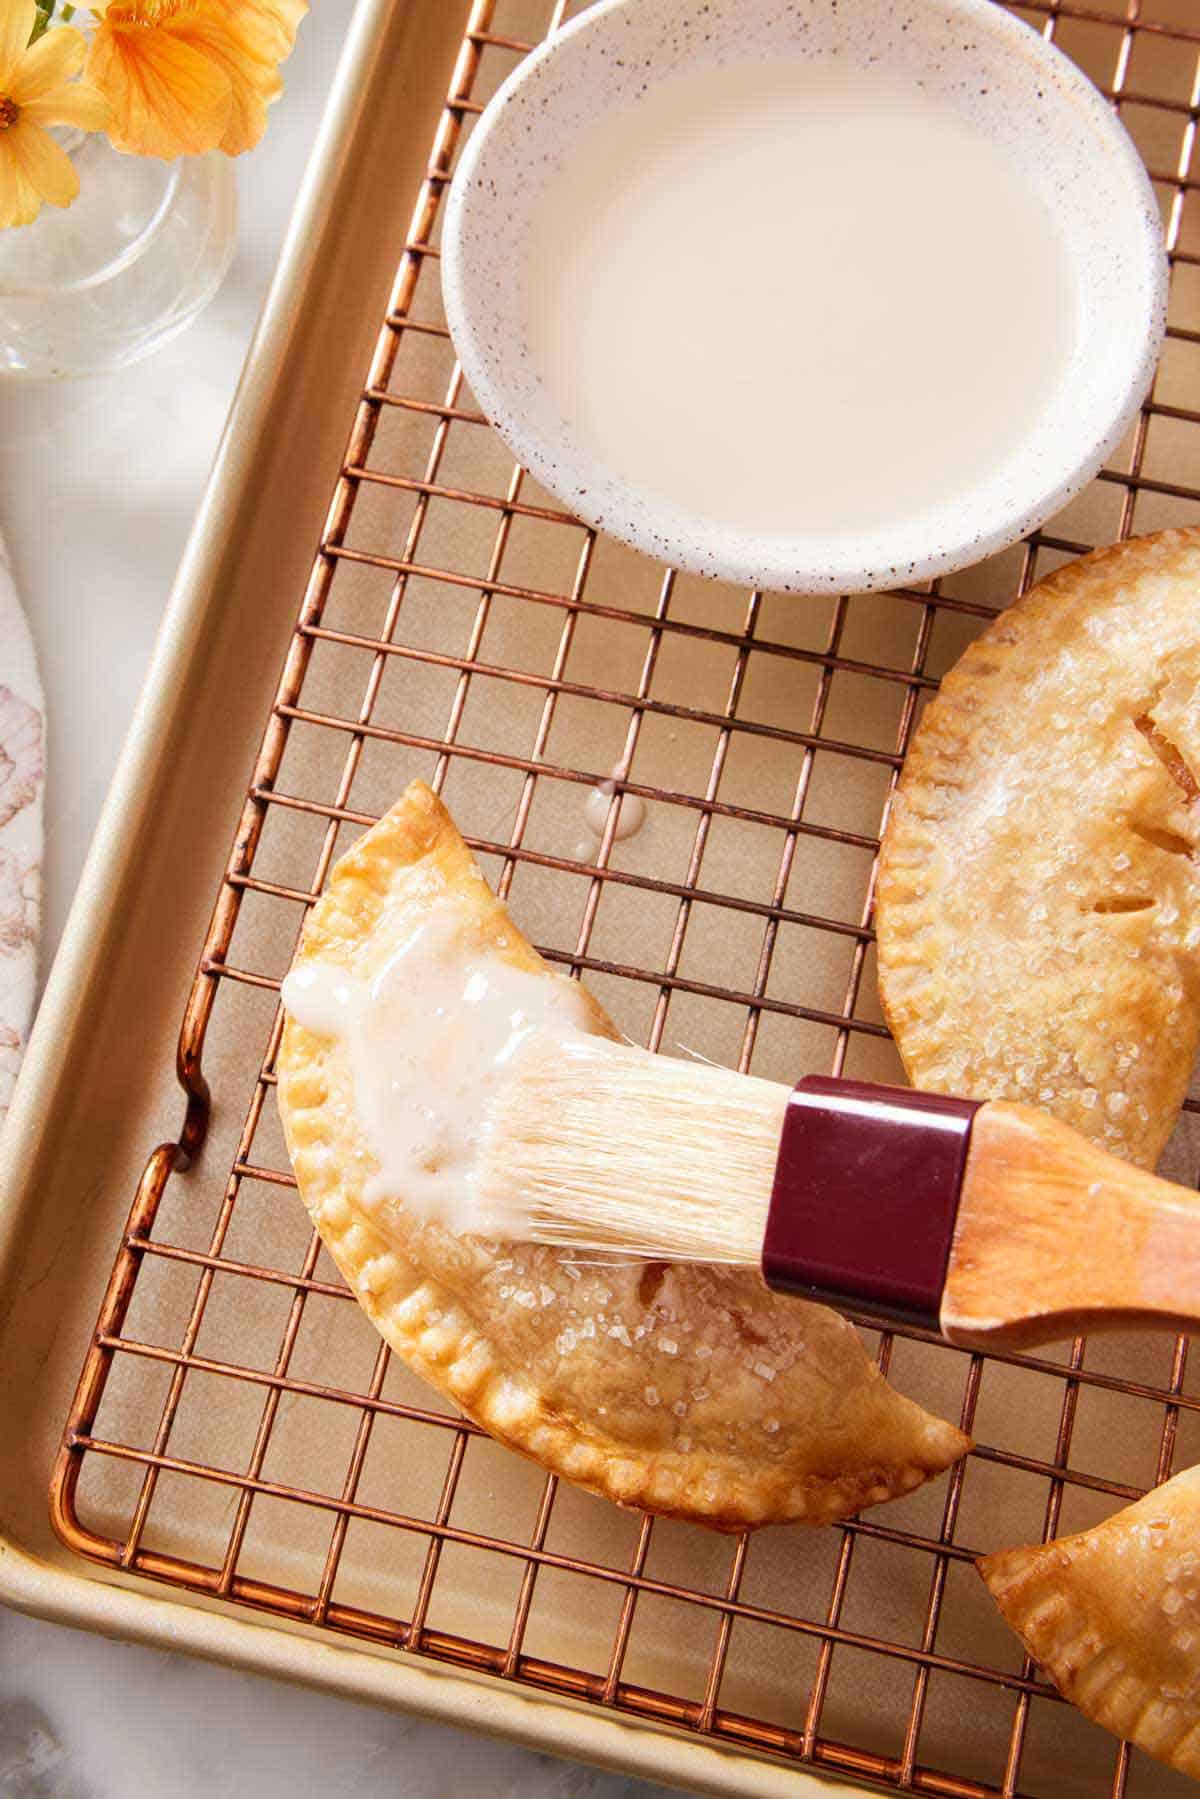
(185, 76)
(36, 90)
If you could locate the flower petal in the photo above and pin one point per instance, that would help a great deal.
(53, 59)
(254, 82)
(20, 201)
(168, 98)
(75, 103)
(265, 29)
(17, 19)
(44, 164)
(248, 115)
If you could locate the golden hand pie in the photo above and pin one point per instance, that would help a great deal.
(684, 1390)
(1039, 931)
(1113, 1616)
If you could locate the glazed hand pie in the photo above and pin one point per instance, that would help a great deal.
(1113, 1616)
(684, 1390)
(1039, 932)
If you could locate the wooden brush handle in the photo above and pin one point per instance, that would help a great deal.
(1054, 1237)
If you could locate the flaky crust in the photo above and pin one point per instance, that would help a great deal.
(683, 1390)
(1039, 932)
(1113, 1616)
(1038, 940)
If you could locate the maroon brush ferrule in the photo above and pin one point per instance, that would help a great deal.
(866, 1196)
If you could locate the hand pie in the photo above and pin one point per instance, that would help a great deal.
(1039, 931)
(684, 1390)
(1039, 935)
(1113, 1616)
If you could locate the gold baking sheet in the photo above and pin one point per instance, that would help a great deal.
(255, 1446)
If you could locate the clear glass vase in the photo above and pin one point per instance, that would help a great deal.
(121, 271)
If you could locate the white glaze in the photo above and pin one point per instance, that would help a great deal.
(1052, 128)
(631, 813)
(429, 1037)
(759, 319)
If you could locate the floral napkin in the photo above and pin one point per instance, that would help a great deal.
(22, 733)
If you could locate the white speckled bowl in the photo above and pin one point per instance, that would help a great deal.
(1037, 107)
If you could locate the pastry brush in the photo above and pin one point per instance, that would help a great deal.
(991, 1223)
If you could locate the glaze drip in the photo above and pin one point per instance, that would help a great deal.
(429, 1038)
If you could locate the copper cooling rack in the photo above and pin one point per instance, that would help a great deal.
(239, 1432)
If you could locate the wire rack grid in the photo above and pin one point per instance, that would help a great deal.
(239, 1433)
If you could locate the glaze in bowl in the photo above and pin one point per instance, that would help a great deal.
(1033, 103)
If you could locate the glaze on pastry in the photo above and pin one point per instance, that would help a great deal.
(1113, 1616)
(684, 1390)
(1038, 916)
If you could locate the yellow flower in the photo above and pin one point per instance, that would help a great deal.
(36, 90)
(185, 76)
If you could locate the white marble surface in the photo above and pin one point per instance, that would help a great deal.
(85, 1719)
(98, 484)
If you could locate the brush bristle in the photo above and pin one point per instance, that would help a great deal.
(595, 1144)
